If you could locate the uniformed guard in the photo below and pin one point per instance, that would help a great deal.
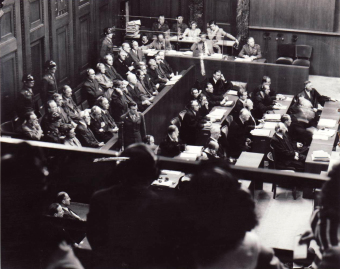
(107, 45)
(25, 102)
(49, 82)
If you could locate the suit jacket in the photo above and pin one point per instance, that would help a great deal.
(122, 67)
(159, 45)
(49, 87)
(112, 73)
(237, 108)
(31, 132)
(71, 108)
(93, 91)
(315, 97)
(145, 84)
(221, 150)
(133, 130)
(284, 150)
(220, 87)
(68, 214)
(138, 56)
(262, 104)
(86, 137)
(213, 99)
(74, 142)
(272, 92)
(237, 136)
(166, 67)
(247, 50)
(190, 127)
(137, 97)
(52, 135)
(154, 76)
(96, 125)
(24, 102)
(106, 47)
(119, 106)
(176, 26)
(156, 27)
(220, 33)
(197, 48)
(170, 148)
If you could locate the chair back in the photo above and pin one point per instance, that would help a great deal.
(176, 121)
(303, 51)
(78, 96)
(7, 127)
(85, 105)
(286, 50)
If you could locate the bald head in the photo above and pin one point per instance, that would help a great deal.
(132, 79)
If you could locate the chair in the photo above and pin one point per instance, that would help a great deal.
(78, 96)
(7, 128)
(303, 54)
(85, 105)
(176, 121)
(271, 157)
(182, 114)
(286, 53)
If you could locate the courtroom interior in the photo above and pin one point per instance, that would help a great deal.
(170, 134)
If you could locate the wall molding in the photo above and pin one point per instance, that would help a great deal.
(293, 30)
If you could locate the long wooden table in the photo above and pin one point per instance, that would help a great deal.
(286, 79)
(168, 103)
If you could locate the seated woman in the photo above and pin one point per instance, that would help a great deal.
(194, 32)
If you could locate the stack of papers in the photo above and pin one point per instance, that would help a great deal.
(229, 103)
(194, 149)
(320, 137)
(327, 123)
(243, 60)
(232, 92)
(321, 156)
(187, 156)
(217, 114)
(171, 82)
(132, 28)
(260, 132)
(269, 125)
(176, 77)
(279, 107)
(272, 117)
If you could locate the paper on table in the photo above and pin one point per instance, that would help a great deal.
(152, 53)
(188, 156)
(243, 59)
(272, 117)
(325, 132)
(171, 172)
(269, 125)
(260, 132)
(232, 92)
(193, 149)
(320, 137)
(289, 99)
(279, 107)
(327, 123)
(216, 55)
(176, 77)
(188, 53)
(171, 82)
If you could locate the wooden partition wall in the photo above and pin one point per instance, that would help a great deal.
(285, 79)
(34, 31)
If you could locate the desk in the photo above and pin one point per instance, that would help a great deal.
(227, 43)
(286, 79)
(315, 166)
(249, 159)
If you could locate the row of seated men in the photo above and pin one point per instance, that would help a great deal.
(110, 92)
(206, 43)
(207, 222)
(229, 139)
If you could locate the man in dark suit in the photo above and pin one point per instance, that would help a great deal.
(160, 26)
(213, 99)
(238, 135)
(251, 50)
(119, 103)
(84, 133)
(111, 72)
(171, 146)
(220, 84)
(312, 95)
(133, 126)
(179, 27)
(70, 106)
(67, 122)
(155, 76)
(265, 83)
(92, 87)
(162, 69)
(148, 81)
(148, 87)
(160, 43)
(101, 129)
(49, 82)
(65, 201)
(263, 103)
(205, 47)
(25, 103)
(215, 136)
(286, 156)
(145, 41)
(142, 100)
(136, 53)
(129, 60)
(164, 64)
(122, 67)
(240, 103)
(192, 123)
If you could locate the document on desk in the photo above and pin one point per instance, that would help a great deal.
(320, 155)
(320, 137)
(176, 77)
(269, 125)
(170, 172)
(260, 132)
(327, 123)
(325, 132)
(193, 149)
(272, 117)
(243, 60)
(188, 53)
(289, 99)
(232, 92)
(216, 55)
(187, 156)
(171, 82)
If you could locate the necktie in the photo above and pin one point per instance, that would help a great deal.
(161, 70)
(203, 47)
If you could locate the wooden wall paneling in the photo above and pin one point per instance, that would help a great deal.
(61, 27)
(37, 63)
(11, 61)
(326, 50)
